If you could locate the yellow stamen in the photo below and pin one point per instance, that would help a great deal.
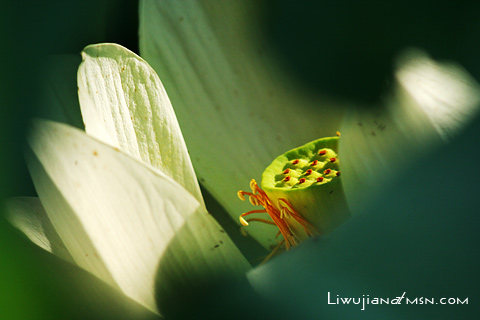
(240, 195)
(243, 221)
(253, 186)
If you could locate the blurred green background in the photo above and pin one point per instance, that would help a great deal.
(346, 47)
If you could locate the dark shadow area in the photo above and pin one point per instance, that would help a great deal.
(347, 48)
(249, 247)
(200, 288)
(225, 299)
(30, 31)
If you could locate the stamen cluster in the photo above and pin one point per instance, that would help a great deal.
(279, 213)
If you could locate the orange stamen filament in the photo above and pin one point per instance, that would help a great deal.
(261, 220)
(277, 215)
(310, 229)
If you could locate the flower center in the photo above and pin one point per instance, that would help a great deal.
(318, 168)
(301, 193)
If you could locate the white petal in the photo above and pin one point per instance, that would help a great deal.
(124, 104)
(430, 104)
(445, 91)
(59, 96)
(27, 215)
(237, 108)
(120, 219)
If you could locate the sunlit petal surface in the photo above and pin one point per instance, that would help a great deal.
(444, 91)
(124, 104)
(128, 224)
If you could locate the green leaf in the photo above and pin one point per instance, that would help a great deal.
(237, 107)
(120, 219)
(125, 105)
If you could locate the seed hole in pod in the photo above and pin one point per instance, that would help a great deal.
(314, 163)
(296, 161)
(286, 171)
(302, 180)
(320, 179)
(328, 171)
(333, 159)
(337, 174)
(308, 172)
(322, 152)
(287, 178)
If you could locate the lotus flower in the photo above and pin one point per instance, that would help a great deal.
(125, 201)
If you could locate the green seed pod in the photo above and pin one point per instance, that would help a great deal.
(308, 178)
